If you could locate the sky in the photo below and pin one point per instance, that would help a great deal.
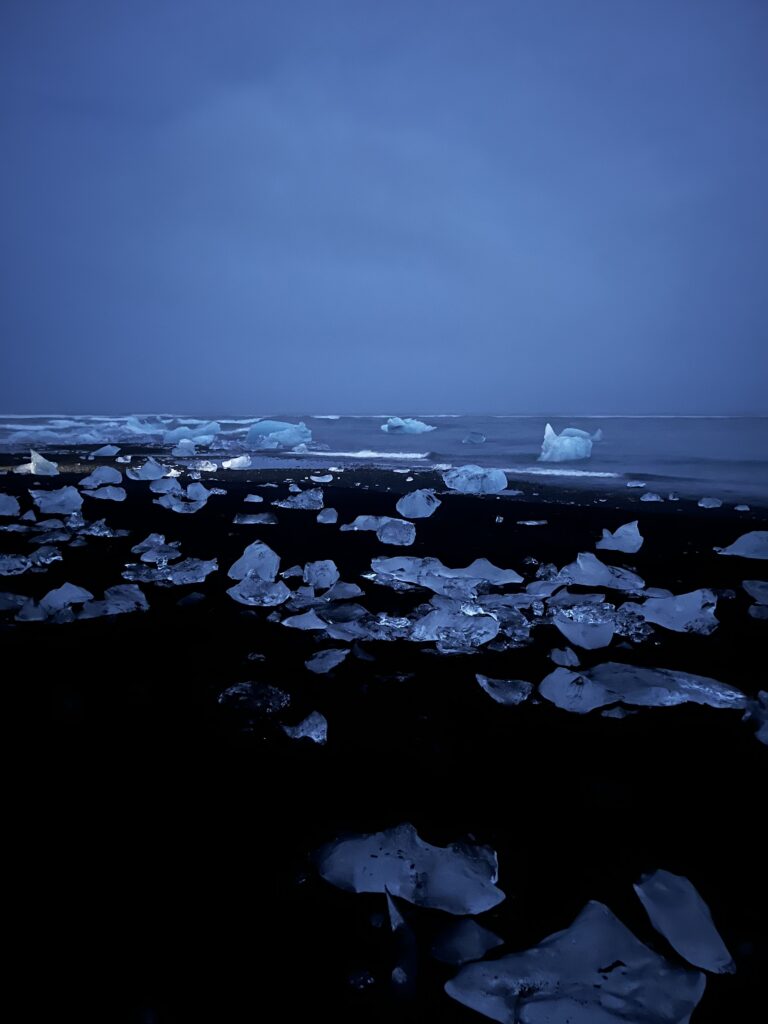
(503, 206)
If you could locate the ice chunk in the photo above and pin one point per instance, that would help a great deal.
(709, 503)
(565, 656)
(758, 611)
(388, 529)
(585, 626)
(108, 493)
(322, 574)
(308, 620)
(106, 451)
(594, 972)
(758, 589)
(102, 475)
(531, 522)
(150, 470)
(506, 691)
(684, 613)
(418, 504)
(258, 561)
(464, 941)
(589, 571)
(38, 466)
(154, 549)
(254, 498)
(757, 711)
(651, 496)
(570, 445)
(268, 434)
(327, 515)
(14, 565)
(240, 462)
(322, 478)
(11, 602)
(64, 596)
(314, 727)
(679, 913)
(750, 545)
(741, 508)
(626, 538)
(636, 483)
(64, 500)
(311, 500)
(459, 878)
(260, 519)
(342, 592)
(259, 593)
(456, 627)
(326, 660)
(119, 600)
(473, 479)
(474, 437)
(396, 425)
(432, 574)
(166, 485)
(9, 506)
(185, 447)
(188, 431)
(631, 684)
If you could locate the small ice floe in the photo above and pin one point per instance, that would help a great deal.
(62, 598)
(258, 593)
(585, 626)
(564, 656)
(678, 912)
(155, 549)
(321, 574)
(651, 496)
(568, 446)
(327, 516)
(260, 519)
(9, 505)
(389, 530)
(149, 470)
(418, 504)
(433, 575)
(272, 434)
(119, 600)
(177, 499)
(594, 972)
(750, 545)
(311, 500)
(741, 508)
(107, 451)
(100, 476)
(459, 878)
(636, 483)
(322, 478)
(62, 501)
(506, 691)
(683, 613)
(709, 503)
(38, 466)
(108, 493)
(191, 570)
(464, 941)
(306, 621)
(589, 571)
(626, 538)
(254, 498)
(258, 561)
(14, 565)
(396, 425)
(314, 727)
(166, 485)
(474, 437)
(324, 661)
(757, 712)
(473, 479)
(631, 684)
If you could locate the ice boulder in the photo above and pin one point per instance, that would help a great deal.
(473, 479)
(396, 425)
(268, 434)
(418, 504)
(258, 561)
(568, 446)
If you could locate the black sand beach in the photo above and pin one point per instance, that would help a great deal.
(165, 852)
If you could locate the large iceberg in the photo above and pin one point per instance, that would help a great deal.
(471, 479)
(568, 446)
(396, 425)
(270, 434)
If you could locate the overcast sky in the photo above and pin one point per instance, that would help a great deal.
(212, 206)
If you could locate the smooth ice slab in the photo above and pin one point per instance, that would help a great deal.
(626, 538)
(506, 691)
(679, 913)
(396, 425)
(589, 571)
(459, 878)
(750, 545)
(570, 445)
(119, 600)
(258, 561)
(311, 500)
(595, 972)
(418, 504)
(321, 574)
(62, 501)
(327, 516)
(471, 479)
(314, 727)
(645, 687)
(108, 493)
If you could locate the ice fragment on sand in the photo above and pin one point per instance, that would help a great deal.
(118, 600)
(260, 519)
(418, 504)
(651, 496)
(307, 620)
(326, 660)
(506, 691)
(683, 613)
(459, 878)
(254, 498)
(191, 570)
(321, 574)
(106, 451)
(626, 538)
(750, 545)
(679, 913)
(741, 508)
(14, 565)
(166, 485)
(258, 561)
(311, 499)
(64, 500)
(589, 571)
(38, 466)
(709, 503)
(102, 475)
(396, 425)
(108, 493)
(64, 596)
(198, 429)
(473, 479)
(636, 483)
(9, 506)
(314, 727)
(240, 462)
(594, 972)
(185, 448)
(389, 530)
(150, 470)
(258, 593)
(322, 478)
(568, 446)
(564, 656)
(531, 522)
(585, 626)
(463, 942)
(631, 684)
(432, 574)
(327, 515)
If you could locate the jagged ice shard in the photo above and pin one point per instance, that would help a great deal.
(594, 972)
(679, 913)
(570, 445)
(459, 878)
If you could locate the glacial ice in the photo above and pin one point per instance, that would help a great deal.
(259, 593)
(259, 519)
(388, 530)
(154, 549)
(64, 596)
(314, 727)
(750, 545)
(474, 437)
(327, 516)
(626, 538)
(38, 466)
(191, 570)
(190, 431)
(758, 589)
(254, 498)
(166, 485)
(396, 425)
(709, 503)
(108, 493)
(9, 506)
(269, 434)
(506, 691)
(741, 508)
(119, 600)
(471, 479)
(185, 448)
(464, 941)
(589, 571)
(564, 656)
(636, 483)
(457, 628)
(418, 504)
(106, 451)
(150, 470)
(651, 496)
(63, 501)
(255, 699)
(326, 660)
(568, 446)
(594, 972)
(645, 687)
(433, 575)
(258, 561)
(684, 613)
(757, 711)
(585, 626)
(678, 912)
(321, 574)
(102, 475)
(311, 500)
(14, 565)
(239, 462)
(459, 878)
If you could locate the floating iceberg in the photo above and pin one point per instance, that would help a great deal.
(594, 972)
(568, 446)
(314, 727)
(38, 466)
(750, 545)
(679, 913)
(9, 506)
(270, 434)
(396, 425)
(311, 500)
(459, 878)
(644, 687)
(418, 504)
(505, 691)
(62, 501)
(258, 561)
(626, 538)
(324, 661)
(473, 479)
(240, 462)
(463, 942)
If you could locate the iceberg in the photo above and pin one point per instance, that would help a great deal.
(314, 727)
(471, 479)
(459, 878)
(38, 466)
(185, 448)
(258, 561)
(63, 501)
(626, 538)
(757, 711)
(750, 545)
(418, 504)
(9, 506)
(506, 691)
(678, 912)
(396, 425)
(267, 434)
(594, 972)
(240, 462)
(568, 446)
(311, 500)
(191, 431)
